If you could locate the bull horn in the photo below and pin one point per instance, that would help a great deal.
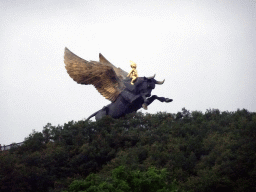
(160, 82)
(151, 77)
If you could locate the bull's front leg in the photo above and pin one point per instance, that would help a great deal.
(148, 101)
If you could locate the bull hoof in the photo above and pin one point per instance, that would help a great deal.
(145, 106)
(168, 100)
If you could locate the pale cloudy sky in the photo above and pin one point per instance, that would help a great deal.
(205, 51)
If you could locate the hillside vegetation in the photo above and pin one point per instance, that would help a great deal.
(187, 151)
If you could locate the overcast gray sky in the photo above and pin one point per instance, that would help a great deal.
(205, 51)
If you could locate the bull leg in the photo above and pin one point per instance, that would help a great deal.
(152, 98)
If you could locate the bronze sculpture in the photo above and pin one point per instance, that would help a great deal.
(126, 96)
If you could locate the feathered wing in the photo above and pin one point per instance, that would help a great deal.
(105, 77)
(119, 72)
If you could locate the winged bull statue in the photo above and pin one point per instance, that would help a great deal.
(112, 83)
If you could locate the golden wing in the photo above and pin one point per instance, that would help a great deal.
(105, 77)
(122, 75)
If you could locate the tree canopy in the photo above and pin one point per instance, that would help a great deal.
(186, 151)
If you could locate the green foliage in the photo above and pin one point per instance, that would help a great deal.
(123, 180)
(35, 142)
(207, 151)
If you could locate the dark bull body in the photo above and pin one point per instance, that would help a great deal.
(132, 98)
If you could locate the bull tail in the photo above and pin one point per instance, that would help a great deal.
(103, 112)
(92, 115)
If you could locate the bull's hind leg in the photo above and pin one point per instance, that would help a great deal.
(152, 98)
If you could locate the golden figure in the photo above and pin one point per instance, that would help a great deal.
(133, 73)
